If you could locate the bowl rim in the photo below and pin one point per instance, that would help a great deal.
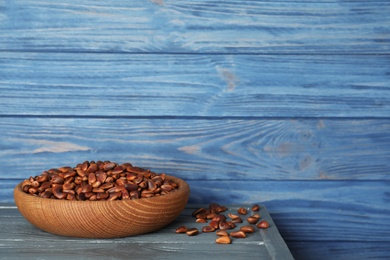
(182, 189)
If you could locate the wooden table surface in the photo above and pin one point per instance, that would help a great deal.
(20, 240)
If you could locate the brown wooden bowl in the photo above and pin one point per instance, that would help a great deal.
(102, 219)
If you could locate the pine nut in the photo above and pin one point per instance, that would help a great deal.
(99, 180)
(223, 240)
(181, 229)
(263, 224)
(238, 234)
(255, 207)
(247, 229)
(222, 233)
(192, 232)
(242, 211)
(252, 220)
(208, 229)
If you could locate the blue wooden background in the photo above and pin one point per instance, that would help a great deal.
(285, 103)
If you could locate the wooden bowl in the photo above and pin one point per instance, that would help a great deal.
(102, 219)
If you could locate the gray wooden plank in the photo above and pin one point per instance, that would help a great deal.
(196, 26)
(19, 239)
(194, 85)
(202, 149)
(103, 251)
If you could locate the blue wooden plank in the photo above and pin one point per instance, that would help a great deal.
(194, 85)
(313, 210)
(181, 84)
(307, 149)
(196, 26)
(300, 249)
(340, 250)
(321, 211)
(6, 190)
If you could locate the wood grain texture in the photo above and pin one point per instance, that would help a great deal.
(322, 211)
(196, 26)
(305, 149)
(280, 102)
(19, 239)
(312, 210)
(340, 250)
(194, 85)
(103, 219)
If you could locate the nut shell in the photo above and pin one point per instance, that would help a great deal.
(102, 219)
